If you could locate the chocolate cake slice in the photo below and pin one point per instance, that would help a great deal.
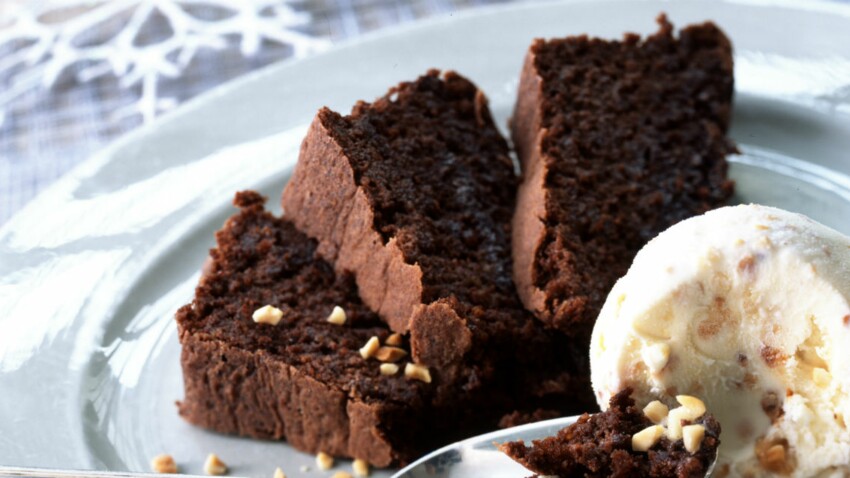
(625, 441)
(414, 194)
(617, 141)
(303, 379)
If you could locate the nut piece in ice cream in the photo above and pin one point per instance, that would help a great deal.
(750, 304)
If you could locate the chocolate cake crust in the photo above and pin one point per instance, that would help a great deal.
(617, 140)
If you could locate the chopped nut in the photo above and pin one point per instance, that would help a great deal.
(324, 461)
(656, 356)
(337, 316)
(389, 369)
(646, 438)
(821, 377)
(417, 372)
(214, 465)
(341, 474)
(694, 405)
(278, 473)
(655, 411)
(674, 422)
(394, 339)
(390, 354)
(772, 406)
(163, 464)
(692, 435)
(772, 356)
(267, 314)
(361, 467)
(773, 456)
(811, 357)
(372, 346)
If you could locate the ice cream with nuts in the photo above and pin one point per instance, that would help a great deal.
(748, 308)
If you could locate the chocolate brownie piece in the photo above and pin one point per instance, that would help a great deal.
(600, 445)
(414, 194)
(617, 140)
(303, 379)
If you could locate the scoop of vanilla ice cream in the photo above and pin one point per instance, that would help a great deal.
(748, 308)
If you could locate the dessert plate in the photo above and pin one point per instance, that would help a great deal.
(92, 270)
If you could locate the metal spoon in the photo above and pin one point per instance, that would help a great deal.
(478, 456)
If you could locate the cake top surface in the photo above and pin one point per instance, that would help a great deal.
(438, 176)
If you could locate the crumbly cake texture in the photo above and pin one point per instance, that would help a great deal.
(617, 140)
(303, 379)
(600, 445)
(414, 193)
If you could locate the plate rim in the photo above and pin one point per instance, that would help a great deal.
(105, 155)
(186, 108)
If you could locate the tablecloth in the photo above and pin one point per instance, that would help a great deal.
(76, 74)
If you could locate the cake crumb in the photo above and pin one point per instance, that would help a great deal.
(342, 474)
(372, 346)
(394, 339)
(360, 467)
(337, 316)
(214, 466)
(278, 473)
(267, 314)
(389, 369)
(324, 461)
(163, 464)
(417, 372)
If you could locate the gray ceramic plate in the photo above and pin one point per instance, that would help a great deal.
(92, 270)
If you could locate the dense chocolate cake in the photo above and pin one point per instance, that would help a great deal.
(625, 442)
(617, 141)
(304, 379)
(414, 194)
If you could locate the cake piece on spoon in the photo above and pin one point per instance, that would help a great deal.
(624, 441)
